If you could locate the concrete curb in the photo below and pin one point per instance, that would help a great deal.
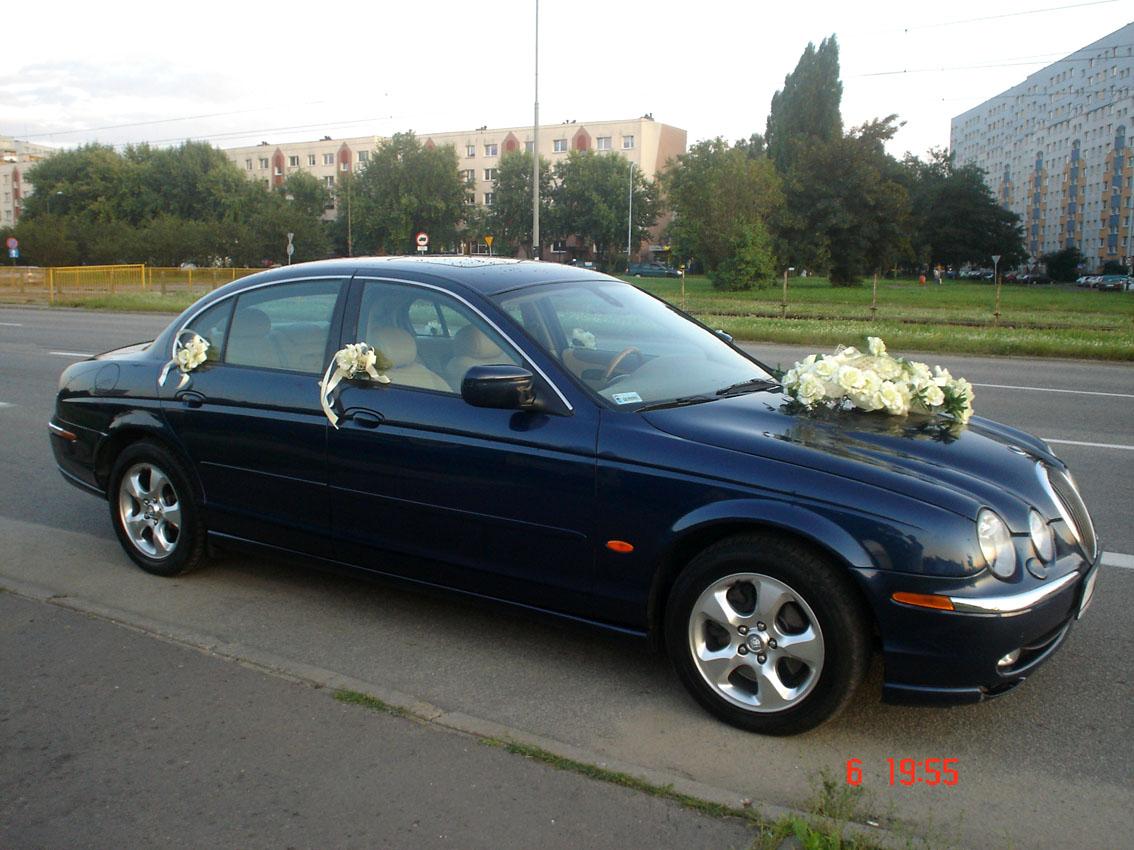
(424, 712)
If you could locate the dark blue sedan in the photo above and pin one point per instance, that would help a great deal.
(559, 440)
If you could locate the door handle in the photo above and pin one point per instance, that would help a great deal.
(191, 398)
(364, 418)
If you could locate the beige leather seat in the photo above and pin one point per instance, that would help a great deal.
(250, 341)
(407, 370)
(472, 347)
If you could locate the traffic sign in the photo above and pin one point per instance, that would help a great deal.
(488, 241)
(422, 239)
(290, 249)
(13, 243)
(14, 253)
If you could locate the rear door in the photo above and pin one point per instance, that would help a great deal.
(250, 417)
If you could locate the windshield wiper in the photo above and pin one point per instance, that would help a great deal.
(683, 401)
(750, 386)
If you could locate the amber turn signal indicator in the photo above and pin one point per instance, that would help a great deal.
(620, 546)
(924, 600)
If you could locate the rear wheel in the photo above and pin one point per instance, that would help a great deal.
(767, 634)
(153, 511)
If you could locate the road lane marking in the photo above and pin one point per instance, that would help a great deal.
(71, 353)
(6, 404)
(1117, 559)
(11, 325)
(1091, 445)
(1054, 390)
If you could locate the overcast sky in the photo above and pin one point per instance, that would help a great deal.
(238, 72)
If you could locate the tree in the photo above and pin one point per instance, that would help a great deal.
(510, 217)
(404, 189)
(807, 107)
(956, 218)
(722, 199)
(590, 200)
(848, 210)
(1063, 266)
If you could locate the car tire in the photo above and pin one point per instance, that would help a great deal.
(767, 634)
(154, 512)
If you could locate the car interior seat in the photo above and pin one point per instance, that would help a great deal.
(472, 347)
(401, 348)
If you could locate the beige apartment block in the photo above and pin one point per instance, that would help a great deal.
(647, 143)
(16, 159)
(1056, 150)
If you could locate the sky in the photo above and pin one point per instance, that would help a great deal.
(237, 72)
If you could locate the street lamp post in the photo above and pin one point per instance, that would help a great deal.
(535, 148)
(630, 217)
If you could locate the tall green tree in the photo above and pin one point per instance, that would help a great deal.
(956, 218)
(510, 217)
(722, 199)
(807, 107)
(591, 200)
(406, 188)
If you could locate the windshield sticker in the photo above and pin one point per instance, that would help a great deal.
(626, 398)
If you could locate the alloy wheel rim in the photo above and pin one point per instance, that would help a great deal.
(756, 642)
(150, 510)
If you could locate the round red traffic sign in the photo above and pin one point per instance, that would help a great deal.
(422, 239)
(13, 242)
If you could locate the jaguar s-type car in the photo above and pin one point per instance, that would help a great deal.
(559, 440)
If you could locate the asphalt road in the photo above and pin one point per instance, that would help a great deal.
(1049, 765)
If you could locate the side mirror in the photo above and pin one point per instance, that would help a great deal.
(726, 337)
(503, 387)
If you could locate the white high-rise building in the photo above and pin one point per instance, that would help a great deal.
(1055, 150)
(16, 160)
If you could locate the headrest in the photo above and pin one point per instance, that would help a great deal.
(251, 322)
(394, 343)
(473, 342)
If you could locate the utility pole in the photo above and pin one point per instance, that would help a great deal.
(535, 148)
(630, 216)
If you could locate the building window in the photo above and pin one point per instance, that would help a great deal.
(489, 198)
(329, 181)
(490, 173)
(529, 147)
(470, 199)
(328, 159)
(310, 159)
(602, 143)
(490, 150)
(247, 164)
(470, 151)
(263, 162)
(364, 156)
(559, 146)
(627, 143)
(293, 161)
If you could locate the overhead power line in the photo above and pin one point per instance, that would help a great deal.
(1008, 15)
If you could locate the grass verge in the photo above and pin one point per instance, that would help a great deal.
(372, 703)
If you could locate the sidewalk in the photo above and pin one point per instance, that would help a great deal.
(112, 738)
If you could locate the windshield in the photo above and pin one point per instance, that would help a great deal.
(626, 346)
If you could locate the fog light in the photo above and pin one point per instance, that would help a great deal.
(1009, 659)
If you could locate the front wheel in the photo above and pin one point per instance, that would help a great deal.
(154, 514)
(767, 635)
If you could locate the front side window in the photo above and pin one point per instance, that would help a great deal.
(431, 339)
(212, 324)
(286, 326)
(626, 346)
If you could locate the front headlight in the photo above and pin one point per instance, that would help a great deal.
(1043, 539)
(996, 544)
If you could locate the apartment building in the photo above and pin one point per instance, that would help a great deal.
(645, 142)
(1055, 150)
(16, 160)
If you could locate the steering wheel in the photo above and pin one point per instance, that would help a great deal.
(617, 361)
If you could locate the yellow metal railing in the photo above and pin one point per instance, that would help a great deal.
(54, 283)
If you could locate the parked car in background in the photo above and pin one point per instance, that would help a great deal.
(1033, 277)
(1113, 283)
(653, 269)
(560, 440)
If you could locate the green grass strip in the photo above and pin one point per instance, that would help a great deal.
(372, 703)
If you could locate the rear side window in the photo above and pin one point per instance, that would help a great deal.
(283, 327)
(212, 325)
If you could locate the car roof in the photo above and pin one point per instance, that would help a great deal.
(486, 275)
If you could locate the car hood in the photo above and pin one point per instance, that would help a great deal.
(930, 458)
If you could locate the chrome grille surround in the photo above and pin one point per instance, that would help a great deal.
(1065, 495)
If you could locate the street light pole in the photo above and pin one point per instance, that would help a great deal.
(535, 148)
(630, 217)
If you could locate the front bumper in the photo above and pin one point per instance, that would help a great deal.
(952, 656)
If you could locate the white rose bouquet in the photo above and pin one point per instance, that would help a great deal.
(583, 339)
(357, 361)
(190, 350)
(876, 380)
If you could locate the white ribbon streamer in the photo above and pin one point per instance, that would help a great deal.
(357, 361)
